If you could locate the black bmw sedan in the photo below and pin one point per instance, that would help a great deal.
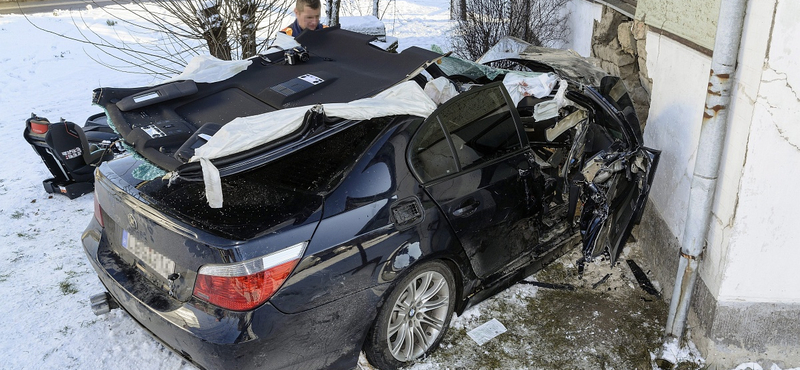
(292, 215)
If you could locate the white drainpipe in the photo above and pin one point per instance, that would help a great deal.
(706, 168)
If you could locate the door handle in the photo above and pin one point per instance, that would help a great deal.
(467, 208)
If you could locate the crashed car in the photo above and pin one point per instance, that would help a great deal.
(292, 214)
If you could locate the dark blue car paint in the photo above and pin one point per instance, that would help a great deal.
(322, 313)
(354, 255)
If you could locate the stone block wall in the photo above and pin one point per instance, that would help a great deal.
(618, 44)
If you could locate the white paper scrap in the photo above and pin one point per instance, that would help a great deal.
(487, 331)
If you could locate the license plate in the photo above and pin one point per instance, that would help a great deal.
(148, 256)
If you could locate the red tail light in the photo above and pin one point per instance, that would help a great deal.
(40, 126)
(98, 212)
(246, 285)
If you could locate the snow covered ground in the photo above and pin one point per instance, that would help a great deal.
(45, 281)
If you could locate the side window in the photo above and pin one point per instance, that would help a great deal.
(477, 126)
(431, 155)
(481, 127)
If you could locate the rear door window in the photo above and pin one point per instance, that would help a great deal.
(472, 128)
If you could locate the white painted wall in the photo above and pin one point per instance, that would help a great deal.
(752, 247)
(583, 14)
(764, 241)
(680, 77)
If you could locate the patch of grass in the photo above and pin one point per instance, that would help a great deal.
(4, 277)
(17, 214)
(73, 274)
(86, 324)
(26, 236)
(46, 355)
(111, 22)
(67, 288)
(66, 330)
(555, 273)
(18, 255)
(690, 366)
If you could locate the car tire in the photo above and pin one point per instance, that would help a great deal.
(414, 318)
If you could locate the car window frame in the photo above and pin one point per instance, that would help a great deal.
(523, 139)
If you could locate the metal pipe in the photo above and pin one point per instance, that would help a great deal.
(102, 303)
(709, 153)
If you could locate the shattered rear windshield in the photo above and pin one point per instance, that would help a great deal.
(290, 188)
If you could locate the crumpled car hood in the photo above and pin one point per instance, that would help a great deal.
(566, 63)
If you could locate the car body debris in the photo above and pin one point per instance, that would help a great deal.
(642, 279)
(487, 331)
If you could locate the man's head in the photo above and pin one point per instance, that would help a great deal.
(307, 13)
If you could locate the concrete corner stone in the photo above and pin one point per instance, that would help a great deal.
(626, 39)
(647, 83)
(613, 53)
(605, 30)
(641, 48)
(639, 30)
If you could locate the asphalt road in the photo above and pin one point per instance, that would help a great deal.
(47, 6)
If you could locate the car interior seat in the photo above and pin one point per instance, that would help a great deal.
(70, 146)
(534, 129)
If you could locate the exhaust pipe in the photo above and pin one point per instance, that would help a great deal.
(103, 303)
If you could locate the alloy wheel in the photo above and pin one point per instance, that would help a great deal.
(418, 316)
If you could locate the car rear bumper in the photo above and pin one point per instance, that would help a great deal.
(326, 337)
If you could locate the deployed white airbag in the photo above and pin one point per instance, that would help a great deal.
(440, 90)
(549, 109)
(246, 133)
(520, 86)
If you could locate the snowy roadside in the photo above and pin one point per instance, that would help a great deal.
(44, 276)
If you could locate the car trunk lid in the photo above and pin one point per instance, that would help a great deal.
(162, 235)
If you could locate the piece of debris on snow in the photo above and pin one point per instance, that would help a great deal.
(603, 280)
(487, 331)
(641, 278)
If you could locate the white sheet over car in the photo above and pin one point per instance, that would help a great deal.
(208, 69)
(246, 133)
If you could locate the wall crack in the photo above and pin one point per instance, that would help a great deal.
(781, 132)
(782, 76)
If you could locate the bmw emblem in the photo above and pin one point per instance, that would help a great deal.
(132, 221)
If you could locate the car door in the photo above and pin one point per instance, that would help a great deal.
(616, 180)
(470, 157)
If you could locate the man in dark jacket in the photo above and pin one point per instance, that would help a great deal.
(307, 13)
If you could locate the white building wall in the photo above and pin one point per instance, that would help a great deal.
(747, 81)
(583, 14)
(680, 77)
(751, 248)
(762, 261)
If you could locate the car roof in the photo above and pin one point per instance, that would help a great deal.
(357, 68)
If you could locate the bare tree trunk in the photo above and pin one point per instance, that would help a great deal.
(215, 31)
(458, 10)
(329, 12)
(375, 8)
(527, 7)
(247, 24)
(333, 16)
